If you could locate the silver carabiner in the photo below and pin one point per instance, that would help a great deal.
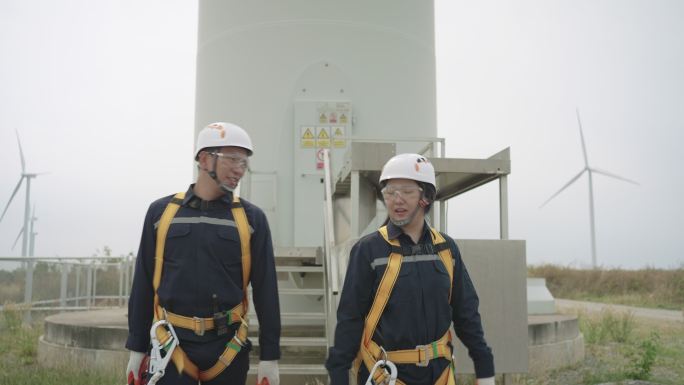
(384, 364)
(158, 361)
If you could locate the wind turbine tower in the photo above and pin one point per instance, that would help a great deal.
(589, 170)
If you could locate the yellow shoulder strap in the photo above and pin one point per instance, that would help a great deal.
(162, 230)
(389, 278)
(178, 356)
(245, 246)
(445, 256)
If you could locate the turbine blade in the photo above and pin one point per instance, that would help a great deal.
(18, 236)
(564, 187)
(12, 197)
(606, 173)
(584, 147)
(21, 153)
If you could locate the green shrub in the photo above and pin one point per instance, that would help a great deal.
(643, 357)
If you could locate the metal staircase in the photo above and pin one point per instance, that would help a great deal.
(303, 342)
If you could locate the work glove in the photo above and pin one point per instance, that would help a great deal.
(135, 369)
(485, 381)
(268, 373)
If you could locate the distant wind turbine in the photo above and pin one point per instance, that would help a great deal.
(27, 176)
(32, 234)
(589, 170)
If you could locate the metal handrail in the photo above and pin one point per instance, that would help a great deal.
(331, 266)
(91, 265)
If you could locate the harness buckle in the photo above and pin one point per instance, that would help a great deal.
(199, 326)
(426, 352)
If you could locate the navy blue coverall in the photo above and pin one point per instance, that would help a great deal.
(418, 311)
(202, 258)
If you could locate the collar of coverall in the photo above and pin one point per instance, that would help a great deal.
(190, 196)
(394, 231)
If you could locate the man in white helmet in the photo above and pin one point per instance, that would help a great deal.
(199, 251)
(405, 284)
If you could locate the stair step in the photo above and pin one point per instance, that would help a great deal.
(290, 369)
(298, 341)
(289, 316)
(299, 269)
(297, 252)
(297, 291)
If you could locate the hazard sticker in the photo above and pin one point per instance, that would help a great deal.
(323, 137)
(339, 140)
(307, 139)
(322, 118)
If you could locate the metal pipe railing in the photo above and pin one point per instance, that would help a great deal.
(73, 267)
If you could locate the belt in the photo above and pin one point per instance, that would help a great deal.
(200, 325)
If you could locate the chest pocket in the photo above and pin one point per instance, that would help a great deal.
(406, 288)
(177, 239)
(229, 247)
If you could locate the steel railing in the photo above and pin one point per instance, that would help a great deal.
(78, 283)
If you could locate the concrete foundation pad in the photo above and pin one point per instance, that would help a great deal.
(95, 339)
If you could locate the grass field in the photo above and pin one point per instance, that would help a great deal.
(18, 358)
(618, 346)
(654, 288)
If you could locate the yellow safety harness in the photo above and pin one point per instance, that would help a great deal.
(370, 352)
(199, 325)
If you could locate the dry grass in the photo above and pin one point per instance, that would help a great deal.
(655, 288)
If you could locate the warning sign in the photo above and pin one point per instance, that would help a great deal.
(343, 118)
(339, 141)
(307, 138)
(319, 159)
(322, 118)
(323, 137)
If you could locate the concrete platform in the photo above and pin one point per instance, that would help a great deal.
(555, 341)
(95, 339)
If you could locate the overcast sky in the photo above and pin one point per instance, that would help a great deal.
(102, 95)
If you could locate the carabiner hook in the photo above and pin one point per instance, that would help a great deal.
(160, 355)
(384, 365)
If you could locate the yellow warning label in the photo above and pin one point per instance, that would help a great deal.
(323, 119)
(307, 138)
(322, 137)
(339, 141)
(343, 118)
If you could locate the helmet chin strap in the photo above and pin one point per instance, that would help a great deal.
(226, 189)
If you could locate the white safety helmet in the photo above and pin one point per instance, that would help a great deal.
(409, 166)
(222, 134)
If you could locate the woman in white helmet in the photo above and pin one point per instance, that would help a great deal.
(405, 285)
(215, 244)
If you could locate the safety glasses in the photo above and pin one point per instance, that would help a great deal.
(233, 160)
(403, 192)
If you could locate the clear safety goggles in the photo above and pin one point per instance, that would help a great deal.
(403, 192)
(233, 160)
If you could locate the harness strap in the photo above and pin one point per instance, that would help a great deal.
(445, 255)
(233, 347)
(421, 355)
(242, 224)
(200, 325)
(179, 357)
(369, 351)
